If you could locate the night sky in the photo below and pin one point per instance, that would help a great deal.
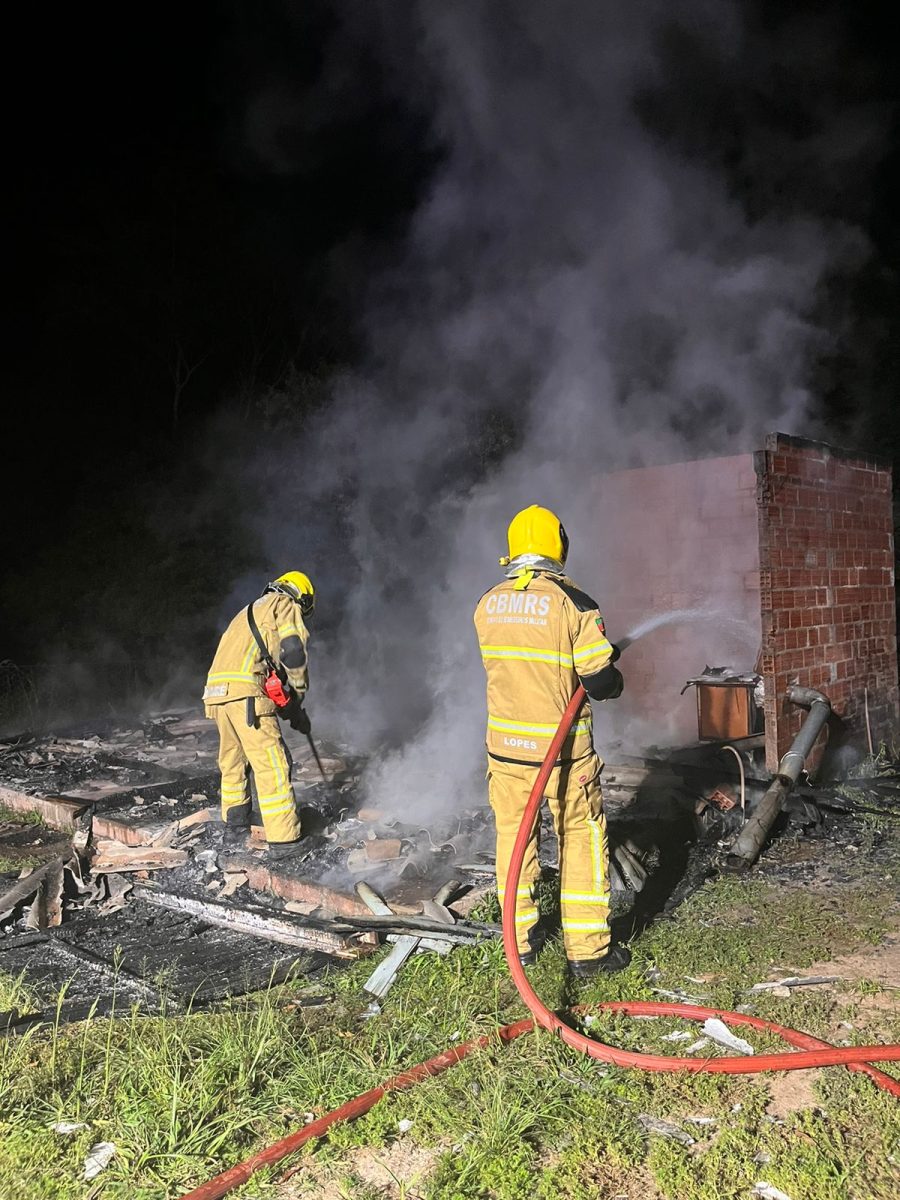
(163, 274)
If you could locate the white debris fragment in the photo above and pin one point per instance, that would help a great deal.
(698, 1045)
(404, 1126)
(678, 1036)
(665, 1129)
(719, 1032)
(767, 1191)
(67, 1127)
(679, 997)
(701, 1120)
(792, 981)
(207, 859)
(98, 1159)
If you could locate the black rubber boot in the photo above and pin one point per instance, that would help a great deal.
(536, 939)
(616, 958)
(280, 852)
(235, 836)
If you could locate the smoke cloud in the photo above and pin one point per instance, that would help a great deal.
(580, 291)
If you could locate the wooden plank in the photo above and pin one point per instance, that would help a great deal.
(202, 816)
(111, 856)
(53, 810)
(26, 887)
(271, 927)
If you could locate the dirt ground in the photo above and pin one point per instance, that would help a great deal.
(878, 967)
(397, 1170)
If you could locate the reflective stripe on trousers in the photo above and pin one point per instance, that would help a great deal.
(261, 750)
(573, 793)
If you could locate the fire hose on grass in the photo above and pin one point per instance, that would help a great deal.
(810, 1052)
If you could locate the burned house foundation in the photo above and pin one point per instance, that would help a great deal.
(739, 579)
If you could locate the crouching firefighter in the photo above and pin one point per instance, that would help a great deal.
(259, 674)
(540, 637)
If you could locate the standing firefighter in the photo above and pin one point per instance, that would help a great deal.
(260, 670)
(540, 636)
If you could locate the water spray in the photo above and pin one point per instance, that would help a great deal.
(667, 618)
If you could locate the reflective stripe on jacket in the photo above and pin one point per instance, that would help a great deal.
(535, 643)
(238, 669)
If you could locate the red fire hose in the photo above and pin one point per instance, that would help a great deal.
(816, 1053)
(811, 1053)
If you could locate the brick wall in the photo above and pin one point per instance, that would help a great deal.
(678, 536)
(826, 558)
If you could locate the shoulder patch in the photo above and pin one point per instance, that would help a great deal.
(580, 599)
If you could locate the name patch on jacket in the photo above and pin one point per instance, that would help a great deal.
(219, 689)
(517, 608)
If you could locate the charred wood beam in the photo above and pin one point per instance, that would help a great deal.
(309, 934)
(466, 932)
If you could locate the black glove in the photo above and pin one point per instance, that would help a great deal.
(298, 718)
(616, 653)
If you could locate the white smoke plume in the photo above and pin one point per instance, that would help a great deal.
(575, 295)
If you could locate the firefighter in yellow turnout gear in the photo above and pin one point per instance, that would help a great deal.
(249, 733)
(540, 636)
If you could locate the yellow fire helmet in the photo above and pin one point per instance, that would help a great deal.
(537, 530)
(299, 587)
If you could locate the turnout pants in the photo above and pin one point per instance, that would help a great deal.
(260, 749)
(576, 804)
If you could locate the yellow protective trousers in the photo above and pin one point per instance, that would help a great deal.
(576, 804)
(259, 749)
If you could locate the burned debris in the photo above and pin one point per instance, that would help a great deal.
(137, 888)
(134, 901)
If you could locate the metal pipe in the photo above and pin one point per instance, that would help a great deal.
(745, 851)
(740, 763)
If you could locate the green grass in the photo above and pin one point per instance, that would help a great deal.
(19, 862)
(185, 1096)
(12, 816)
(16, 994)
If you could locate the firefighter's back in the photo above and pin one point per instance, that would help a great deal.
(526, 629)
